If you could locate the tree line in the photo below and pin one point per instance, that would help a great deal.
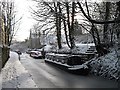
(101, 20)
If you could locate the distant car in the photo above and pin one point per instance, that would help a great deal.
(36, 54)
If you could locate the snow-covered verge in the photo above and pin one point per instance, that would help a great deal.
(107, 66)
(14, 74)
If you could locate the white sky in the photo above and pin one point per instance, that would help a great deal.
(23, 10)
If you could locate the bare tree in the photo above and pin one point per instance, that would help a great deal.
(71, 25)
(105, 22)
(107, 14)
(55, 10)
(8, 26)
(58, 22)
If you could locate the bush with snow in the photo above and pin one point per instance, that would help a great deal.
(106, 66)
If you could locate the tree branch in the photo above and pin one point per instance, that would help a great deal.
(94, 21)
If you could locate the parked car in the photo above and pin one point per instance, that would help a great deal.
(36, 54)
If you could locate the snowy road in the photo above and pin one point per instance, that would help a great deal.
(48, 76)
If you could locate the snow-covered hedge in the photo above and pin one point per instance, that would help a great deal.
(106, 66)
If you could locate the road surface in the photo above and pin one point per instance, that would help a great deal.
(48, 76)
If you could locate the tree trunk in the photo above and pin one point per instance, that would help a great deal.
(105, 31)
(5, 55)
(71, 27)
(68, 21)
(65, 29)
(58, 23)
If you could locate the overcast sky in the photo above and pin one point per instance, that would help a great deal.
(23, 10)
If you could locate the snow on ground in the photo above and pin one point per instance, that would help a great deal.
(14, 74)
(48, 48)
(80, 48)
(106, 66)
